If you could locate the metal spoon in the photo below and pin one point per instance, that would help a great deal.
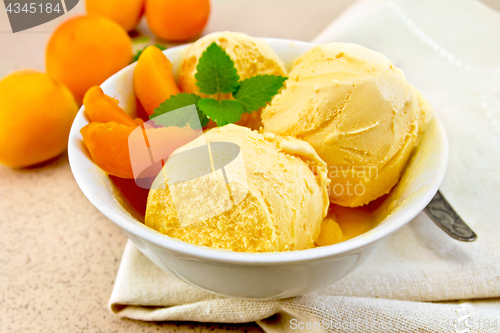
(447, 219)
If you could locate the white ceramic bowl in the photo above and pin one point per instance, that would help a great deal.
(249, 275)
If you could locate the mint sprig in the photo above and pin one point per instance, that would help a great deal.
(180, 119)
(256, 91)
(222, 112)
(216, 74)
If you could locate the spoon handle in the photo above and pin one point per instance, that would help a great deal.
(447, 219)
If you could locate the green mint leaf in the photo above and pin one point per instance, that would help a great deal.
(223, 112)
(215, 72)
(256, 91)
(138, 53)
(178, 101)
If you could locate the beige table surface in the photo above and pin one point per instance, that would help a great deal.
(58, 254)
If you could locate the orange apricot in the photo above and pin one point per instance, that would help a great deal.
(107, 143)
(36, 113)
(85, 50)
(150, 147)
(138, 121)
(110, 144)
(102, 108)
(175, 20)
(153, 79)
(165, 140)
(127, 13)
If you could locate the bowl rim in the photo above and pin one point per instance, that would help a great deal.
(391, 224)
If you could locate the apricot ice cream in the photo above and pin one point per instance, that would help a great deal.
(357, 111)
(271, 196)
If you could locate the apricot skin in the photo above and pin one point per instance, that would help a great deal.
(153, 79)
(86, 50)
(127, 13)
(36, 114)
(175, 20)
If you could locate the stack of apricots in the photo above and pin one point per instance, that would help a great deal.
(37, 109)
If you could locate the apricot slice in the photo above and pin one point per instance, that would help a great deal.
(108, 145)
(138, 121)
(102, 108)
(153, 79)
(150, 147)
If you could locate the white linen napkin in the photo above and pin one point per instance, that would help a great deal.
(450, 51)
(144, 292)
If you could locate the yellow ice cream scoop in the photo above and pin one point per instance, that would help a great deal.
(251, 56)
(358, 112)
(239, 190)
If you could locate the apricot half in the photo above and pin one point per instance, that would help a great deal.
(108, 145)
(102, 108)
(153, 79)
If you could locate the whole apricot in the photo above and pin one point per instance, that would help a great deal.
(36, 113)
(175, 20)
(84, 51)
(126, 13)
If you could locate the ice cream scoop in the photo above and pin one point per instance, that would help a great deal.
(251, 56)
(272, 199)
(358, 112)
